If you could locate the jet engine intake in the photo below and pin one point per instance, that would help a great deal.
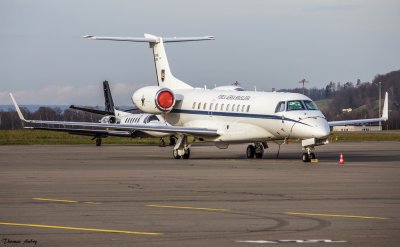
(154, 99)
(108, 119)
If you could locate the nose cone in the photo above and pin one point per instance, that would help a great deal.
(321, 129)
(312, 127)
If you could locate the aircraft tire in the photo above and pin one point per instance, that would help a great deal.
(175, 154)
(305, 157)
(98, 142)
(250, 151)
(312, 156)
(259, 155)
(162, 143)
(187, 154)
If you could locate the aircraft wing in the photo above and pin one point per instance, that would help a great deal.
(124, 127)
(87, 132)
(384, 117)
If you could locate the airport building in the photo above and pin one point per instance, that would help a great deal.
(359, 128)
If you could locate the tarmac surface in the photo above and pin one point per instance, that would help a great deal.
(83, 195)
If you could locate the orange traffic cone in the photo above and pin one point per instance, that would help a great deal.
(341, 161)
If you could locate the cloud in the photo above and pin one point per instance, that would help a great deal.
(90, 94)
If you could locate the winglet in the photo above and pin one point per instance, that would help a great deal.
(385, 111)
(17, 108)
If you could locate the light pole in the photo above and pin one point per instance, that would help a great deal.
(303, 81)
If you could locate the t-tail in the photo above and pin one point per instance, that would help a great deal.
(108, 103)
(164, 76)
(108, 100)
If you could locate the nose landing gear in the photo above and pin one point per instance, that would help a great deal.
(307, 157)
(182, 148)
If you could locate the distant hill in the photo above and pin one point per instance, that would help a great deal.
(362, 97)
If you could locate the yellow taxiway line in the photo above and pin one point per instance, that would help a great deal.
(79, 228)
(187, 207)
(337, 215)
(62, 200)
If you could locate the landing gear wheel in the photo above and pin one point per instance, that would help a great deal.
(187, 154)
(305, 157)
(250, 151)
(259, 151)
(98, 142)
(312, 156)
(259, 155)
(175, 154)
(162, 142)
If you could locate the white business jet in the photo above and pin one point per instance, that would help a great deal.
(222, 116)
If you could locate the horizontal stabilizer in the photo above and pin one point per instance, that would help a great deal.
(150, 38)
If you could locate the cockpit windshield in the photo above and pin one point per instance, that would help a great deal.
(295, 105)
(310, 105)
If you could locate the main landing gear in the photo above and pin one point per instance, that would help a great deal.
(308, 155)
(98, 140)
(182, 148)
(256, 151)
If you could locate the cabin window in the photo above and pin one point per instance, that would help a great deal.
(248, 108)
(222, 107)
(194, 105)
(227, 107)
(204, 106)
(243, 106)
(295, 105)
(198, 106)
(310, 105)
(238, 108)
(281, 106)
(211, 106)
(216, 107)
(233, 107)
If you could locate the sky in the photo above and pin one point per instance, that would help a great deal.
(260, 43)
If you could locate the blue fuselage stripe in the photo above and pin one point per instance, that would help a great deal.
(235, 114)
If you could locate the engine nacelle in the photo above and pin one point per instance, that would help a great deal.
(108, 119)
(154, 99)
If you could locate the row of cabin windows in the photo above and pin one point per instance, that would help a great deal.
(132, 120)
(221, 107)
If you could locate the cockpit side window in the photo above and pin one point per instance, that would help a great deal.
(295, 105)
(310, 105)
(281, 106)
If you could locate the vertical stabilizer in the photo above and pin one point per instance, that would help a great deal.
(108, 100)
(163, 71)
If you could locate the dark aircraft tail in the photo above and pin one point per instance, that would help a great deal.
(108, 100)
(108, 103)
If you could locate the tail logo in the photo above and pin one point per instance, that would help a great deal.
(162, 75)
